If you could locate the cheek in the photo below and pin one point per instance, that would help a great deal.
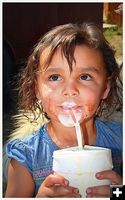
(91, 107)
(48, 98)
(45, 91)
(91, 103)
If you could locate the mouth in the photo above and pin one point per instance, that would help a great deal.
(67, 107)
(70, 117)
(69, 104)
(69, 113)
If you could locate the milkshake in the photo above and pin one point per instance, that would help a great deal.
(80, 164)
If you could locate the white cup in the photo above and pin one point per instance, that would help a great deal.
(80, 166)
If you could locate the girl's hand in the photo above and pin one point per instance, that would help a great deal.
(56, 186)
(104, 191)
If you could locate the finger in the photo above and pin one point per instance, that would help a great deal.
(53, 179)
(111, 175)
(98, 191)
(61, 191)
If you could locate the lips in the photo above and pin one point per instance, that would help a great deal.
(69, 113)
(69, 108)
(68, 105)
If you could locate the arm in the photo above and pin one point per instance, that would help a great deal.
(20, 182)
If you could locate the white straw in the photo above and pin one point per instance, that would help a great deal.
(78, 132)
(79, 135)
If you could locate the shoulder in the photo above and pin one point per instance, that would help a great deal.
(23, 150)
(112, 126)
(29, 140)
(109, 133)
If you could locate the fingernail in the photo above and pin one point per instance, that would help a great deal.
(76, 191)
(66, 182)
(98, 175)
(88, 190)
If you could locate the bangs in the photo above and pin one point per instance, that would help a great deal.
(67, 46)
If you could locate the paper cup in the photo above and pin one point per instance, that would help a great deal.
(80, 166)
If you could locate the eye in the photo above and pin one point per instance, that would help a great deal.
(85, 77)
(54, 77)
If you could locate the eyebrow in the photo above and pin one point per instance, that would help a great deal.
(92, 69)
(53, 69)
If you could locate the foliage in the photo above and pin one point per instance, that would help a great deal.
(114, 37)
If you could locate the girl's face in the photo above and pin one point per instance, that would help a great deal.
(81, 89)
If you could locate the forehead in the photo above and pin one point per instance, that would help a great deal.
(83, 55)
(44, 57)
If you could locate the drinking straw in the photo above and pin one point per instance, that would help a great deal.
(78, 129)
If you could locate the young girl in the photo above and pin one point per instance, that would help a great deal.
(72, 67)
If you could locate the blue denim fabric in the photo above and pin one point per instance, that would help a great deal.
(35, 151)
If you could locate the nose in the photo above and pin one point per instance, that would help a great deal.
(70, 89)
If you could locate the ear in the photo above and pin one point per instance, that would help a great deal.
(106, 88)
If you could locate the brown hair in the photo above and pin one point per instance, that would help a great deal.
(67, 37)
